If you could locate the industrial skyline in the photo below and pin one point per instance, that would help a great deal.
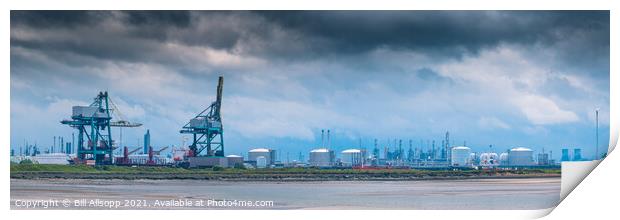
(498, 78)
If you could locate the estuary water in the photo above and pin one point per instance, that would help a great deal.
(521, 193)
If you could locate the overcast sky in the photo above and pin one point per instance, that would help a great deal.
(503, 78)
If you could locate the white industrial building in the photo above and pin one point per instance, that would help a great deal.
(261, 162)
(52, 158)
(268, 154)
(460, 156)
(351, 157)
(234, 160)
(520, 156)
(322, 157)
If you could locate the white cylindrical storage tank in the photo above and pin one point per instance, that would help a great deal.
(260, 152)
(234, 160)
(520, 156)
(460, 156)
(351, 157)
(261, 162)
(321, 157)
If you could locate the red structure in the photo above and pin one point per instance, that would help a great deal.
(150, 161)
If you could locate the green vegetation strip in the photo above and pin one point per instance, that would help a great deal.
(83, 169)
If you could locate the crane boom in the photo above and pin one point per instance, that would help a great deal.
(122, 121)
(134, 150)
(218, 100)
(160, 150)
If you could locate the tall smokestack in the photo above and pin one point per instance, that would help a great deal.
(328, 140)
(147, 141)
(322, 138)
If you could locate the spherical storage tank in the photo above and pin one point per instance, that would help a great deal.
(351, 157)
(322, 157)
(460, 156)
(489, 159)
(520, 156)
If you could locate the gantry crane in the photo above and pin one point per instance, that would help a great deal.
(94, 122)
(206, 128)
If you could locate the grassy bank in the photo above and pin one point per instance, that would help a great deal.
(34, 171)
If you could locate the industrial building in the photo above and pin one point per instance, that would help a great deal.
(352, 157)
(575, 157)
(460, 156)
(322, 157)
(51, 158)
(269, 155)
(197, 162)
(520, 156)
(234, 160)
(577, 154)
(543, 159)
(261, 162)
(565, 155)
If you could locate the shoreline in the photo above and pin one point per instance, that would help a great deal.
(271, 177)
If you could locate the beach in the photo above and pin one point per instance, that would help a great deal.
(463, 194)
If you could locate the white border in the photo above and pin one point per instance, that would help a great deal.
(593, 184)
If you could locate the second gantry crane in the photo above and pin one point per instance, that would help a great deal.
(206, 128)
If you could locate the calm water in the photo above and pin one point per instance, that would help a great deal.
(533, 193)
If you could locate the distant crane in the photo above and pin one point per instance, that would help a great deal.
(157, 152)
(125, 159)
(133, 151)
(206, 128)
(94, 122)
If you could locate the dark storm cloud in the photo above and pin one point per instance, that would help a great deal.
(302, 34)
(64, 19)
(451, 33)
(131, 36)
(53, 19)
(354, 30)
